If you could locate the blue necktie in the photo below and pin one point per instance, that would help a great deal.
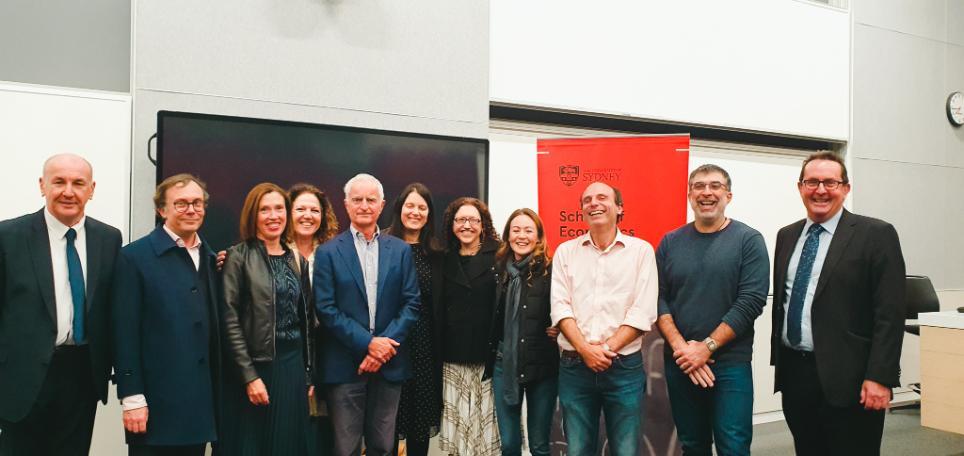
(75, 274)
(800, 283)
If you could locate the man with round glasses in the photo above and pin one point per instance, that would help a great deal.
(838, 310)
(165, 321)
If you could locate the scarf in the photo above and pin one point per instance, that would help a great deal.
(510, 332)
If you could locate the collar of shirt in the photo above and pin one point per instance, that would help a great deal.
(58, 229)
(358, 236)
(829, 226)
(587, 239)
(180, 242)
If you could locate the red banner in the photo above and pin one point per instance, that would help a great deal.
(650, 171)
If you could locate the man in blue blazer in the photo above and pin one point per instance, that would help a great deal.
(367, 297)
(165, 321)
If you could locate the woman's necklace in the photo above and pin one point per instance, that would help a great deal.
(472, 251)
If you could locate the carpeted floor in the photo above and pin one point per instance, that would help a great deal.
(903, 435)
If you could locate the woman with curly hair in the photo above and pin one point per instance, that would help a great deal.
(313, 221)
(466, 294)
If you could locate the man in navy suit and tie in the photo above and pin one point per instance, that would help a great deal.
(367, 297)
(56, 267)
(838, 317)
(165, 322)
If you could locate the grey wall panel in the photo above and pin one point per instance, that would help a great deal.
(955, 22)
(65, 43)
(419, 66)
(922, 202)
(954, 81)
(898, 94)
(924, 18)
(425, 58)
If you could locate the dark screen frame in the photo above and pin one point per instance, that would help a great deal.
(165, 115)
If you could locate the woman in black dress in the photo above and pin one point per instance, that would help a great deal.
(420, 407)
(266, 321)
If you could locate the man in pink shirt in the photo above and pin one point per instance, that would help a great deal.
(604, 293)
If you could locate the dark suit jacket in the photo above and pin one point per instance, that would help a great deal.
(858, 308)
(28, 323)
(166, 340)
(342, 305)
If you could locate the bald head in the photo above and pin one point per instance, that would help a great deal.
(70, 160)
(67, 184)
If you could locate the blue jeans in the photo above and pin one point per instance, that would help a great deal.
(617, 391)
(540, 406)
(723, 412)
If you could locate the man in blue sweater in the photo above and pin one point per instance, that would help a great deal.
(713, 283)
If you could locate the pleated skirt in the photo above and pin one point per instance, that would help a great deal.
(468, 412)
(281, 428)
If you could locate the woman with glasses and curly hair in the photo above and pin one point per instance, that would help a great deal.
(466, 292)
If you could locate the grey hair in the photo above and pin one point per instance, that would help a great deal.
(711, 168)
(364, 177)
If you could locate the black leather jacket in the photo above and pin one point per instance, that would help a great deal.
(249, 309)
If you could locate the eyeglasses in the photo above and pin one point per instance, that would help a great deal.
(700, 186)
(829, 184)
(181, 205)
(470, 220)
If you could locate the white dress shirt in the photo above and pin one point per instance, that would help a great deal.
(806, 329)
(57, 235)
(605, 289)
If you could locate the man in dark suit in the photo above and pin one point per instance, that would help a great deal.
(838, 309)
(56, 267)
(367, 297)
(165, 322)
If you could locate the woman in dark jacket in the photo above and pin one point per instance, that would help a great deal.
(525, 357)
(466, 302)
(420, 407)
(266, 321)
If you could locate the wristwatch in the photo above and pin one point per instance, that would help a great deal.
(711, 344)
(605, 346)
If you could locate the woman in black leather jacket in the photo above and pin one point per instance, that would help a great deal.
(267, 314)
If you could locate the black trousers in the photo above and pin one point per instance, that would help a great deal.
(152, 450)
(61, 421)
(820, 428)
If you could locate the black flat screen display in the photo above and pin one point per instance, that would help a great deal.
(232, 154)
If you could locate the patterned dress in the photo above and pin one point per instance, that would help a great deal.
(420, 407)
